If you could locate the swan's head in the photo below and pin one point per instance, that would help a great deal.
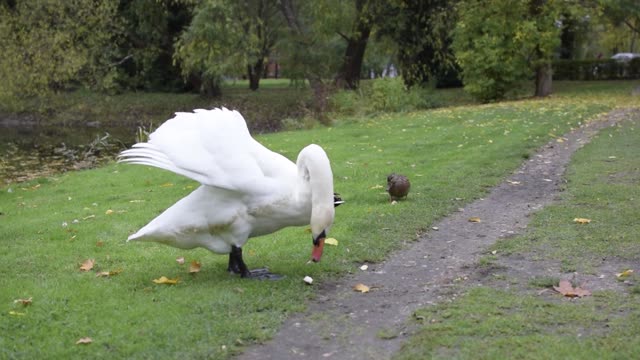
(323, 224)
(320, 226)
(315, 173)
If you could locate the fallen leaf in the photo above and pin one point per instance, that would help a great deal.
(15, 313)
(166, 280)
(180, 260)
(376, 187)
(24, 302)
(87, 265)
(625, 273)
(331, 241)
(581, 220)
(361, 288)
(84, 340)
(100, 243)
(194, 267)
(565, 288)
(166, 184)
(109, 212)
(475, 219)
(108, 273)
(136, 201)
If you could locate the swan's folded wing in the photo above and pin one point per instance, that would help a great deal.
(213, 147)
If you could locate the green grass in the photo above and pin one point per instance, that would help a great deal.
(486, 323)
(448, 153)
(494, 324)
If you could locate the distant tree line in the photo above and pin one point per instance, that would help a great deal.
(194, 45)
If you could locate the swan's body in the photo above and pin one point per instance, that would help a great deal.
(247, 190)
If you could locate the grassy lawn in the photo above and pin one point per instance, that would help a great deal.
(48, 227)
(489, 323)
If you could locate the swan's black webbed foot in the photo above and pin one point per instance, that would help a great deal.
(237, 266)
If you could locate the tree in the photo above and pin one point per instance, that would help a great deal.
(422, 31)
(49, 45)
(147, 45)
(501, 42)
(366, 12)
(228, 37)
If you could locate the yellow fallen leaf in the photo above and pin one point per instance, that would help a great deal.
(180, 260)
(15, 313)
(108, 273)
(166, 184)
(109, 212)
(194, 267)
(475, 219)
(136, 201)
(87, 265)
(166, 280)
(331, 241)
(581, 220)
(84, 340)
(361, 288)
(376, 187)
(625, 273)
(24, 302)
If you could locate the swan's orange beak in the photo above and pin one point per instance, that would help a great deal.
(316, 252)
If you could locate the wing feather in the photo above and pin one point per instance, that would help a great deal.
(213, 147)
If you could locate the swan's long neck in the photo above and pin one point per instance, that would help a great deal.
(315, 169)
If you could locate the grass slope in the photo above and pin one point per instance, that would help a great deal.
(487, 323)
(449, 154)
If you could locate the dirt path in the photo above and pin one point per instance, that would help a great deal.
(344, 324)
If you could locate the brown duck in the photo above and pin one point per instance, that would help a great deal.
(397, 186)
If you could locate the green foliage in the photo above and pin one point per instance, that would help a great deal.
(391, 95)
(49, 45)
(146, 50)
(500, 42)
(224, 38)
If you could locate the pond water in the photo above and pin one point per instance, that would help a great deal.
(29, 149)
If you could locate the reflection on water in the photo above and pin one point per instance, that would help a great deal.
(29, 150)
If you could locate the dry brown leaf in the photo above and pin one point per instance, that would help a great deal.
(84, 340)
(194, 267)
(24, 302)
(475, 219)
(581, 220)
(166, 280)
(180, 260)
(361, 288)
(87, 265)
(100, 243)
(565, 288)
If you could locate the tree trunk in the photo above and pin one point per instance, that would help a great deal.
(349, 75)
(255, 74)
(320, 90)
(543, 80)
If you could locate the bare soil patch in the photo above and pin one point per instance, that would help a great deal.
(344, 324)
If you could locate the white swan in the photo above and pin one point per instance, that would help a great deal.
(247, 190)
